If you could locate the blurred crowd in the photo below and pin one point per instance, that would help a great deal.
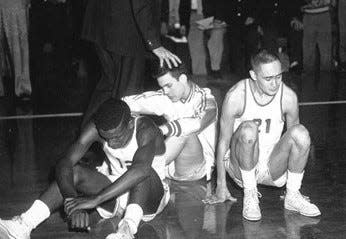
(213, 37)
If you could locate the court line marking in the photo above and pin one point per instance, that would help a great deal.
(78, 114)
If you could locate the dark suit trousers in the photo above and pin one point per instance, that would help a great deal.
(120, 75)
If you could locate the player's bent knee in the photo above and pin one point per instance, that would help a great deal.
(248, 132)
(78, 174)
(301, 136)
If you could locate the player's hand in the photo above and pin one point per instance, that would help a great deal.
(165, 55)
(72, 205)
(221, 195)
(79, 220)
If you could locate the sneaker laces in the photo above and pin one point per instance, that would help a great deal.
(252, 197)
(300, 197)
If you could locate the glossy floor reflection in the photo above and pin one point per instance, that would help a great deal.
(29, 149)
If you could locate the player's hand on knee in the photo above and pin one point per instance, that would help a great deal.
(221, 195)
(79, 220)
(80, 203)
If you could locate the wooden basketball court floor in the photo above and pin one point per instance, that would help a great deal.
(29, 149)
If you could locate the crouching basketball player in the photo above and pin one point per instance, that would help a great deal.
(251, 146)
(190, 128)
(129, 183)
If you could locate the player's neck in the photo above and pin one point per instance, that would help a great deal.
(187, 91)
(259, 95)
(131, 128)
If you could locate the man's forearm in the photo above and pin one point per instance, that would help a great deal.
(221, 172)
(123, 184)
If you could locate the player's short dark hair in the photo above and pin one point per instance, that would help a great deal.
(111, 114)
(175, 71)
(263, 56)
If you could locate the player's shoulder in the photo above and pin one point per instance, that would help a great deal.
(148, 132)
(234, 101)
(145, 123)
(289, 97)
(147, 128)
(89, 133)
(236, 94)
(202, 91)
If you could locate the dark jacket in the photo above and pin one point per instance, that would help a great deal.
(234, 12)
(125, 27)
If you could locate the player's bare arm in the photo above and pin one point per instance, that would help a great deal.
(150, 143)
(232, 107)
(64, 169)
(208, 115)
(290, 106)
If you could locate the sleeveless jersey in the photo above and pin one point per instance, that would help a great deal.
(120, 159)
(269, 117)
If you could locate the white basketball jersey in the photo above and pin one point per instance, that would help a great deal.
(269, 116)
(121, 158)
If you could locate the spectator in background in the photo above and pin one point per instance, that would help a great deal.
(273, 22)
(215, 35)
(123, 32)
(175, 19)
(241, 33)
(317, 33)
(295, 35)
(195, 40)
(14, 46)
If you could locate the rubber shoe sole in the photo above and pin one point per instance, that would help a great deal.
(304, 214)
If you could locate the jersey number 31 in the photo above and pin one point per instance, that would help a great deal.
(267, 122)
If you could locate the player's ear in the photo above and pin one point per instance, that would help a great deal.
(253, 75)
(183, 78)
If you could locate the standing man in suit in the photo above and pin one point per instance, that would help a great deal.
(240, 16)
(123, 32)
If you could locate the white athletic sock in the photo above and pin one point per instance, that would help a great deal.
(294, 181)
(249, 178)
(37, 213)
(133, 216)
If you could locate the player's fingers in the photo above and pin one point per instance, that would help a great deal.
(70, 202)
(73, 221)
(176, 58)
(72, 210)
(168, 62)
(86, 221)
(161, 61)
(211, 200)
(69, 206)
(230, 198)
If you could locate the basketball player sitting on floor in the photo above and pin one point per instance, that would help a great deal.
(129, 182)
(253, 115)
(191, 114)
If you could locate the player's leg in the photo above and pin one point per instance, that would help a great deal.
(242, 166)
(289, 157)
(146, 198)
(87, 181)
(184, 158)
